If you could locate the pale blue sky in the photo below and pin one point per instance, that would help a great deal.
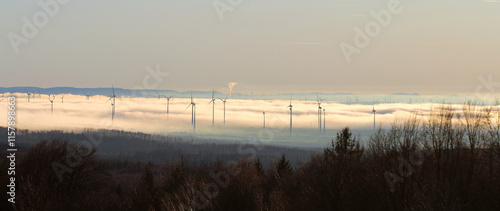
(282, 45)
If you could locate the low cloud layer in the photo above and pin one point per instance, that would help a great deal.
(149, 114)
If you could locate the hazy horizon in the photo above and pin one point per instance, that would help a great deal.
(244, 117)
(482, 94)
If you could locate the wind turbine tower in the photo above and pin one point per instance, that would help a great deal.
(113, 103)
(224, 102)
(29, 95)
(213, 107)
(264, 125)
(291, 114)
(52, 104)
(168, 103)
(319, 117)
(319, 100)
(374, 112)
(229, 90)
(168, 100)
(193, 113)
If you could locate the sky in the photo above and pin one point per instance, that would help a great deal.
(426, 46)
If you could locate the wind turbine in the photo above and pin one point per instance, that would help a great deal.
(319, 100)
(113, 103)
(193, 113)
(224, 101)
(168, 100)
(229, 89)
(319, 117)
(52, 104)
(264, 126)
(374, 112)
(168, 103)
(29, 94)
(290, 106)
(87, 95)
(213, 107)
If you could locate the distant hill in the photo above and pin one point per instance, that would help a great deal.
(407, 94)
(107, 92)
(136, 146)
(346, 98)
